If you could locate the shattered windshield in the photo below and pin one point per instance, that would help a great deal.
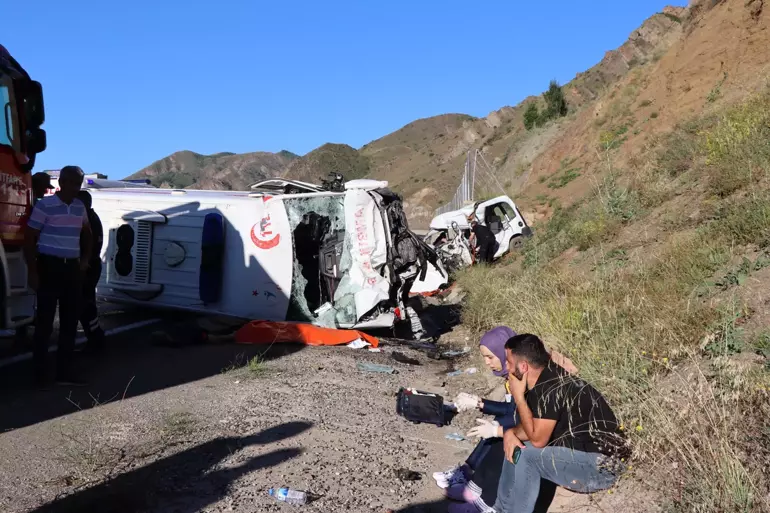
(321, 256)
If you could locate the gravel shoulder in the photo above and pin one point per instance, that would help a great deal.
(198, 428)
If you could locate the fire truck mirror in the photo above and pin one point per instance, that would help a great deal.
(36, 141)
(32, 95)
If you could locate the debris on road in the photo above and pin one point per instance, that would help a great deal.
(374, 367)
(455, 436)
(270, 332)
(420, 407)
(358, 344)
(471, 370)
(293, 497)
(455, 353)
(402, 358)
(404, 474)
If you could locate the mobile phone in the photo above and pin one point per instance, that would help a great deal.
(516, 454)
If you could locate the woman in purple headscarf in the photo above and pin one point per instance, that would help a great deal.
(485, 462)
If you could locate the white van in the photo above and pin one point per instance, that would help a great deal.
(336, 259)
(500, 214)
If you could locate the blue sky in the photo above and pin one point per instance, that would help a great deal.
(127, 83)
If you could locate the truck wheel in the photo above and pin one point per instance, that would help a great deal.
(515, 243)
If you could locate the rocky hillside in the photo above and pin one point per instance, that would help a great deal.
(229, 171)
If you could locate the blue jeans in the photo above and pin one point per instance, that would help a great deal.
(581, 472)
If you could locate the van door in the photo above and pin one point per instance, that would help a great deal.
(497, 221)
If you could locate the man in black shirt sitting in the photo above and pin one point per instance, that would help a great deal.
(567, 433)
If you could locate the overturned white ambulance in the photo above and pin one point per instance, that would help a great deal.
(339, 256)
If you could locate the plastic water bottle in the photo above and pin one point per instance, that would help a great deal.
(289, 496)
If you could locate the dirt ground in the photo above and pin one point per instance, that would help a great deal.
(188, 429)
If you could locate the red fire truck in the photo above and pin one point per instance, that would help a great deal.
(21, 139)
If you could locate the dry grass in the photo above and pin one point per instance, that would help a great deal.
(640, 331)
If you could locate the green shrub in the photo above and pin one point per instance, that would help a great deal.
(531, 116)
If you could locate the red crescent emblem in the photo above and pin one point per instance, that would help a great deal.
(264, 243)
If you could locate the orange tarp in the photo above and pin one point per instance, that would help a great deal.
(268, 332)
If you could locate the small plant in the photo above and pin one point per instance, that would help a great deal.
(762, 345)
(716, 92)
(178, 425)
(243, 367)
(613, 138)
(563, 178)
(672, 17)
(726, 337)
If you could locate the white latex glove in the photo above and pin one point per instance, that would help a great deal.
(466, 402)
(485, 429)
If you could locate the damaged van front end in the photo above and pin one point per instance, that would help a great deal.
(355, 259)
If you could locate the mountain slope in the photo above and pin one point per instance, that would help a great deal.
(339, 158)
(227, 171)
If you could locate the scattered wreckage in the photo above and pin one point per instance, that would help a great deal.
(338, 255)
(450, 232)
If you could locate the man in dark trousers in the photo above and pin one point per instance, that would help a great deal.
(56, 231)
(567, 433)
(483, 240)
(89, 316)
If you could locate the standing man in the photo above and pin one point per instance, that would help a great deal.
(89, 316)
(41, 184)
(56, 231)
(483, 240)
(572, 437)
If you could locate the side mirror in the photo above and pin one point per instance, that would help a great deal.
(36, 141)
(31, 94)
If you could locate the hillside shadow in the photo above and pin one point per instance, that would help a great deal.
(183, 482)
(133, 365)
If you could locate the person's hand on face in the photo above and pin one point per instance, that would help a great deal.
(517, 378)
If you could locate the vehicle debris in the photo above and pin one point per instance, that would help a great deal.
(471, 370)
(404, 474)
(402, 358)
(376, 368)
(269, 332)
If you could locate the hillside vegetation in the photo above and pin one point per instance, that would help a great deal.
(651, 259)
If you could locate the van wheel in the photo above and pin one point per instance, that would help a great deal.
(515, 243)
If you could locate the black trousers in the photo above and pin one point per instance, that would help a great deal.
(487, 250)
(89, 316)
(60, 284)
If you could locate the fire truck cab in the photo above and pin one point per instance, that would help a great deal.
(21, 139)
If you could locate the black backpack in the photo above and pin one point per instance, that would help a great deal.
(420, 407)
